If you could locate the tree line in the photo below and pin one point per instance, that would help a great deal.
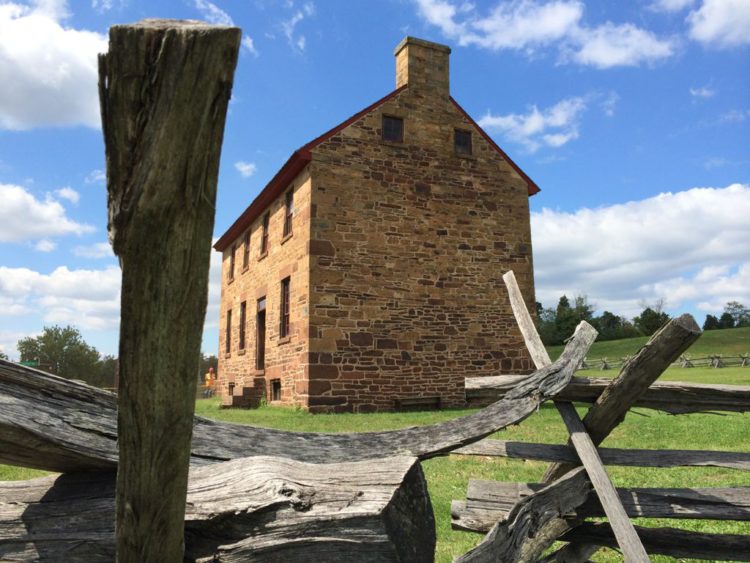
(557, 325)
(62, 351)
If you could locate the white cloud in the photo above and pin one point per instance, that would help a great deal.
(23, 217)
(212, 13)
(45, 245)
(246, 169)
(704, 92)
(96, 177)
(735, 116)
(48, 71)
(102, 6)
(214, 291)
(528, 25)
(84, 298)
(553, 126)
(68, 193)
(609, 104)
(249, 44)
(288, 27)
(97, 250)
(611, 45)
(671, 5)
(9, 339)
(663, 246)
(721, 23)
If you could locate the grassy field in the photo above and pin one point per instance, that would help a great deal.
(727, 342)
(448, 476)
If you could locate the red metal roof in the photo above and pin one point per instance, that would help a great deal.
(301, 157)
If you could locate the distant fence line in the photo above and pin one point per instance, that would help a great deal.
(711, 361)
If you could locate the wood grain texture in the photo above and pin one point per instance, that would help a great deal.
(666, 541)
(610, 456)
(74, 424)
(674, 397)
(627, 538)
(164, 90)
(507, 539)
(716, 503)
(534, 343)
(250, 509)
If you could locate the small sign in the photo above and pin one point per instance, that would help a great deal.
(30, 363)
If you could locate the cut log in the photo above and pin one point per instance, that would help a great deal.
(674, 397)
(666, 541)
(164, 88)
(507, 540)
(74, 424)
(610, 456)
(719, 503)
(248, 509)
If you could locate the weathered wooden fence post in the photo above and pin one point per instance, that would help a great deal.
(164, 89)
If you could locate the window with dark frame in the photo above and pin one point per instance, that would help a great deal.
(228, 333)
(289, 212)
(275, 389)
(232, 254)
(264, 236)
(246, 250)
(393, 129)
(284, 320)
(462, 141)
(260, 324)
(243, 320)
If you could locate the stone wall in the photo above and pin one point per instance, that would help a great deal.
(408, 245)
(285, 359)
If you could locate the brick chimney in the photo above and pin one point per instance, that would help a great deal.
(422, 65)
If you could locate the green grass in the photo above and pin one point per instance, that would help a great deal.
(727, 342)
(448, 476)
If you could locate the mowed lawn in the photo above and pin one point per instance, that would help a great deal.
(448, 476)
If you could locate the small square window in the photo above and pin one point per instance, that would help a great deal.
(393, 129)
(462, 142)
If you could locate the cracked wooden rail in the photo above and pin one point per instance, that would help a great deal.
(73, 427)
(248, 509)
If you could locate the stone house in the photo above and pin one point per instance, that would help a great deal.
(367, 273)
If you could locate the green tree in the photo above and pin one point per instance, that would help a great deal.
(62, 351)
(739, 313)
(726, 320)
(3, 356)
(650, 320)
(546, 326)
(711, 323)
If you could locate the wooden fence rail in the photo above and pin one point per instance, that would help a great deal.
(524, 519)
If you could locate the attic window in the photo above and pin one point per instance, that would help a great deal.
(462, 141)
(393, 129)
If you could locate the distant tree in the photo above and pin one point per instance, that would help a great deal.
(3, 356)
(726, 320)
(711, 323)
(740, 314)
(546, 326)
(62, 351)
(650, 320)
(608, 325)
(107, 368)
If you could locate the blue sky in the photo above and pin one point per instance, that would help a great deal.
(633, 118)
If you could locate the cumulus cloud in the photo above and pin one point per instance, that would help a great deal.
(48, 71)
(69, 194)
(530, 25)
(97, 250)
(671, 5)
(24, 217)
(553, 126)
(84, 298)
(212, 13)
(246, 169)
(683, 246)
(96, 177)
(45, 245)
(721, 23)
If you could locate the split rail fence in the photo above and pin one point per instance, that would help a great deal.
(711, 361)
(525, 518)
